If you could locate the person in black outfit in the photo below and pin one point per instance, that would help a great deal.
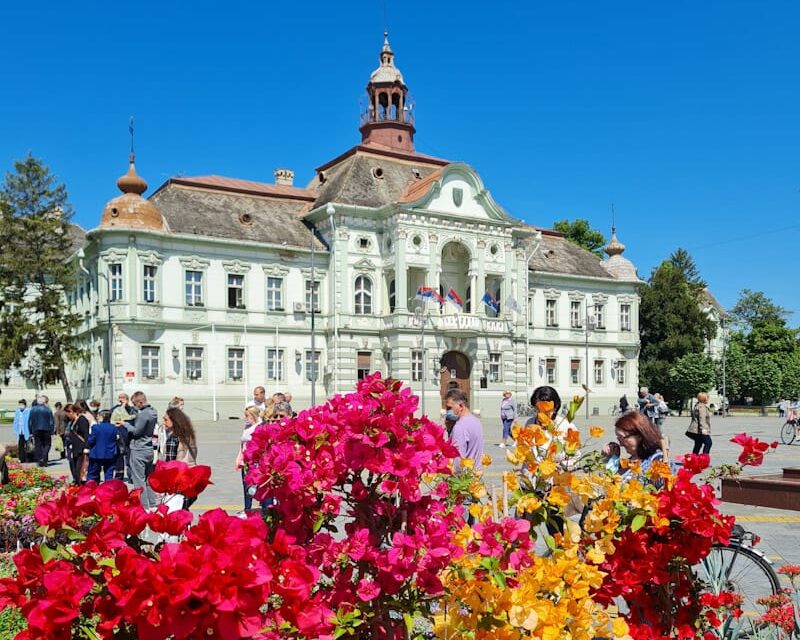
(42, 427)
(78, 439)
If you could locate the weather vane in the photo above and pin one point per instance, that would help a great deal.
(130, 130)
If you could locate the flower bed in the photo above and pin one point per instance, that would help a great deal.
(29, 487)
(366, 538)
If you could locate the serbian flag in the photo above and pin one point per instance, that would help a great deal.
(490, 301)
(425, 294)
(452, 296)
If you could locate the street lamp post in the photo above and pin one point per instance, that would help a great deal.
(590, 324)
(724, 354)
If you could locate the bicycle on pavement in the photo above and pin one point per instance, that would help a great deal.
(790, 431)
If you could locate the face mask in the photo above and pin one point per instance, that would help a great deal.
(450, 415)
(22, 406)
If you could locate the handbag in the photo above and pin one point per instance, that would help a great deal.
(30, 445)
(58, 443)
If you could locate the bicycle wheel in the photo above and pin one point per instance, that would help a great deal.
(741, 570)
(788, 432)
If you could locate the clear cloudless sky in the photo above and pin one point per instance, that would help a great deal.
(685, 114)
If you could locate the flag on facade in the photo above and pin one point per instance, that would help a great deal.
(452, 296)
(511, 303)
(490, 301)
(427, 294)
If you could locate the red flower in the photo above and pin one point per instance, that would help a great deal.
(752, 449)
(179, 477)
(695, 462)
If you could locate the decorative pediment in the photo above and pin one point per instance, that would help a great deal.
(552, 294)
(195, 263)
(365, 264)
(319, 274)
(236, 267)
(275, 270)
(150, 258)
(599, 298)
(626, 298)
(577, 296)
(458, 190)
(114, 255)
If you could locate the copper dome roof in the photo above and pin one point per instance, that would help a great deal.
(131, 210)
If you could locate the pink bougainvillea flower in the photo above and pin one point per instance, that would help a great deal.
(179, 477)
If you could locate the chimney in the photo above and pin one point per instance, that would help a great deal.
(284, 177)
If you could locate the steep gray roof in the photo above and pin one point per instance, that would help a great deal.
(207, 211)
(558, 255)
(354, 179)
(77, 237)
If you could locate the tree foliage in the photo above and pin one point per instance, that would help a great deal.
(37, 329)
(581, 233)
(682, 261)
(754, 308)
(691, 374)
(673, 325)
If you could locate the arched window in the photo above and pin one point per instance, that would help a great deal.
(363, 296)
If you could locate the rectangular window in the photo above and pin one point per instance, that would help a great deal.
(274, 364)
(530, 311)
(274, 294)
(363, 364)
(387, 358)
(194, 288)
(550, 313)
(624, 317)
(115, 277)
(494, 367)
(575, 371)
(151, 362)
(550, 370)
(149, 283)
(194, 363)
(416, 365)
(312, 364)
(312, 293)
(600, 316)
(575, 315)
(236, 364)
(622, 372)
(598, 372)
(235, 291)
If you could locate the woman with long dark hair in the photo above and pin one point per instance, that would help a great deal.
(81, 421)
(181, 442)
(641, 441)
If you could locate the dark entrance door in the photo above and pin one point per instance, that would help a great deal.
(456, 368)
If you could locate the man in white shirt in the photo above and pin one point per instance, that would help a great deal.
(259, 397)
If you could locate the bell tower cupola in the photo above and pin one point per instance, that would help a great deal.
(388, 119)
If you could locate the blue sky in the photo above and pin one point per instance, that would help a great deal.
(685, 114)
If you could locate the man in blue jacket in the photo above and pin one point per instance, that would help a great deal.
(102, 445)
(42, 426)
(21, 430)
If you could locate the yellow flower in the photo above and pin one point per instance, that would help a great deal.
(477, 489)
(529, 503)
(558, 497)
(515, 456)
(486, 460)
(547, 467)
(523, 617)
(596, 432)
(512, 483)
(467, 463)
(619, 628)
(595, 556)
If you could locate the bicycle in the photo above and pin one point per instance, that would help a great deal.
(741, 568)
(790, 428)
(615, 410)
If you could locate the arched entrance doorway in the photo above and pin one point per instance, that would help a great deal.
(455, 371)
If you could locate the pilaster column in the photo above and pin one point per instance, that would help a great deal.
(481, 308)
(400, 273)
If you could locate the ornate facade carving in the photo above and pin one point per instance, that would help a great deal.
(236, 267)
(195, 263)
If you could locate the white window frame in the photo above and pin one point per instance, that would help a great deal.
(274, 361)
(551, 371)
(309, 294)
(416, 365)
(275, 293)
(495, 366)
(600, 316)
(151, 358)
(598, 372)
(232, 363)
(362, 373)
(149, 283)
(625, 317)
(622, 372)
(362, 296)
(576, 314)
(186, 359)
(115, 282)
(312, 367)
(551, 312)
(195, 298)
(235, 282)
(575, 373)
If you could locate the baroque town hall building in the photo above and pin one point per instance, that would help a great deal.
(206, 288)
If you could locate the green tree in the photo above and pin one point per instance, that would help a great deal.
(771, 337)
(754, 307)
(672, 325)
(763, 379)
(579, 232)
(682, 261)
(691, 374)
(37, 330)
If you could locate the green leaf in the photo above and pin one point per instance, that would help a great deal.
(48, 554)
(639, 521)
(550, 541)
